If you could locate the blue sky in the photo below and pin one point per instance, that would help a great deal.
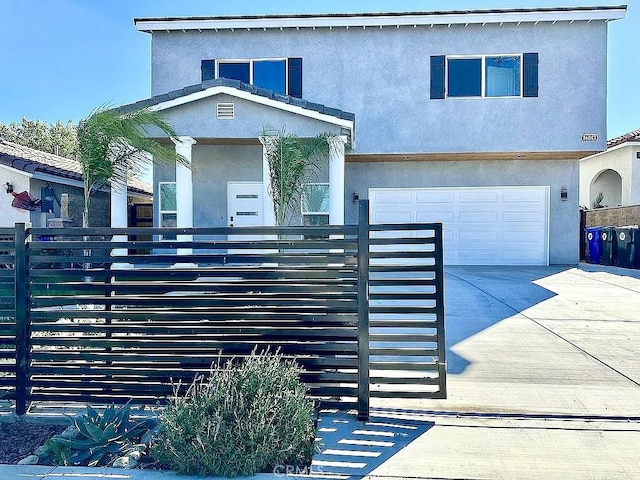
(62, 58)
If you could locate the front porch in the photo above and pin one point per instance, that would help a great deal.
(222, 137)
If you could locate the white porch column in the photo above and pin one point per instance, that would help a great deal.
(336, 179)
(267, 200)
(184, 190)
(119, 214)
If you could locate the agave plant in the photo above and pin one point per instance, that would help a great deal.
(101, 438)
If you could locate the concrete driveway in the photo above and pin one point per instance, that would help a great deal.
(544, 378)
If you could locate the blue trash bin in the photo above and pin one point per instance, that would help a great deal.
(593, 240)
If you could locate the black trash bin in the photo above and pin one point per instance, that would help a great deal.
(608, 236)
(628, 247)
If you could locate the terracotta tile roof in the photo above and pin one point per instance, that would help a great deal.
(633, 136)
(30, 160)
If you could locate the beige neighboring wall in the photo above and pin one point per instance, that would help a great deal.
(9, 215)
(623, 159)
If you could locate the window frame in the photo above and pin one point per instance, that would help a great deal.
(304, 213)
(162, 212)
(251, 61)
(483, 73)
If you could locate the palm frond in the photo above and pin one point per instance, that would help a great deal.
(113, 145)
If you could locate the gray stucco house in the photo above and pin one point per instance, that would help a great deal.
(473, 118)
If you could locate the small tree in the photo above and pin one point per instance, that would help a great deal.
(292, 162)
(112, 145)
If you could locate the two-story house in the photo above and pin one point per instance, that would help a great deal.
(476, 119)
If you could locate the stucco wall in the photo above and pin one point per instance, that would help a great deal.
(9, 216)
(383, 76)
(624, 162)
(198, 120)
(564, 222)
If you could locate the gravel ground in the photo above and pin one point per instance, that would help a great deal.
(17, 440)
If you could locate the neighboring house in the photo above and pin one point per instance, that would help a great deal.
(473, 118)
(615, 173)
(28, 170)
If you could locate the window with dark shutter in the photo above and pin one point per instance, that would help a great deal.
(295, 77)
(530, 74)
(437, 76)
(208, 70)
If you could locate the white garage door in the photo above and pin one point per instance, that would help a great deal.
(482, 225)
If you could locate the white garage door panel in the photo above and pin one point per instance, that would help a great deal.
(479, 196)
(482, 225)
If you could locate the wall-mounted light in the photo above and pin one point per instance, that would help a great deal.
(8, 187)
(564, 195)
(356, 197)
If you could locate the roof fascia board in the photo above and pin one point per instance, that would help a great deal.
(381, 20)
(210, 92)
(612, 149)
(47, 177)
(15, 170)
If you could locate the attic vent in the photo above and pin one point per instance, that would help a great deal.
(226, 111)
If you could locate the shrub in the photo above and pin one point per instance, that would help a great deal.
(245, 418)
(98, 439)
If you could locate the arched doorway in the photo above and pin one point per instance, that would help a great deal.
(609, 183)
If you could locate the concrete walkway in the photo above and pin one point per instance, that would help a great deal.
(543, 383)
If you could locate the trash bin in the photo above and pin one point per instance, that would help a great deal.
(593, 245)
(628, 247)
(608, 236)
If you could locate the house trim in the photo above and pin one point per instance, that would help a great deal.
(384, 19)
(210, 92)
(612, 149)
(467, 156)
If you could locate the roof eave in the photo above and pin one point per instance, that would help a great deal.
(383, 19)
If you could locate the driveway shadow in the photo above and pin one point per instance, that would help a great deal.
(353, 449)
(478, 297)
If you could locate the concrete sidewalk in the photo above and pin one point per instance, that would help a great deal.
(543, 382)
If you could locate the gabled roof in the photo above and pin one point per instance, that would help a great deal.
(32, 161)
(240, 89)
(391, 19)
(633, 136)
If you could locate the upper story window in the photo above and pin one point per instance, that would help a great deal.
(484, 76)
(281, 75)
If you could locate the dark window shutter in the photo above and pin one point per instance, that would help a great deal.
(208, 70)
(530, 74)
(437, 76)
(295, 77)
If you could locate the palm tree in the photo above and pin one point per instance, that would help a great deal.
(113, 145)
(292, 162)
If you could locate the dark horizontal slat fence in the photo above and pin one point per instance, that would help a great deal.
(96, 317)
(117, 328)
(407, 311)
(7, 314)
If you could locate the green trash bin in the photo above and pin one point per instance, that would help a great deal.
(627, 247)
(608, 236)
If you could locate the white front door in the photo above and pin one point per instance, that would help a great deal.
(482, 225)
(244, 204)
